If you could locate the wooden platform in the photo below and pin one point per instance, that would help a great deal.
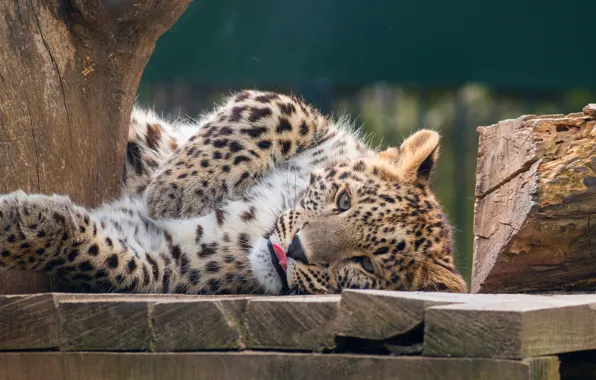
(360, 334)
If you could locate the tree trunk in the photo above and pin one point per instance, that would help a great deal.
(535, 213)
(69, 71)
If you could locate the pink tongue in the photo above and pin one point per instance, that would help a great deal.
(281, 256)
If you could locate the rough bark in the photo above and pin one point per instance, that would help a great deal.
(69, 71)
(535, 211)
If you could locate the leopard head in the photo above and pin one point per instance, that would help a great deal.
(372, 223)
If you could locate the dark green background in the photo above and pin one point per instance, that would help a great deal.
(513, 44)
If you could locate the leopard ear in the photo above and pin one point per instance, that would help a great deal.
(416, 156)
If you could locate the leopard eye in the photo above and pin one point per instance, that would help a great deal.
(343, 201)
(367, 264)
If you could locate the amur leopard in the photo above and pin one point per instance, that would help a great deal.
(263, 195)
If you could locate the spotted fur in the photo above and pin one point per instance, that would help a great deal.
(201, 200)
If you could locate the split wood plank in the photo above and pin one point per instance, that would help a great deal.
(28, 322)
(204, 324)
(511, 329)
(81, 322)
(292, 323)
(105, 326)
(154, 323)
(84, 321)
(381, 315)
(265, 366)
(31, 322)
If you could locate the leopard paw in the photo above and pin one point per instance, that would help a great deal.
(30, 225)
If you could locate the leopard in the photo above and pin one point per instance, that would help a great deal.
(262, 195)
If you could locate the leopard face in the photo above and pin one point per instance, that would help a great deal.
(372, 223)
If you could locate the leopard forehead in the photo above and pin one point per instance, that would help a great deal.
(380, 204)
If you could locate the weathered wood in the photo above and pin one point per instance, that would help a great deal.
(261, 365)
(295, 323)
(208, 324)
(104, 326)
(511, 329)
(394, 321)
(32, 322)
(69, 71)
(112, 322)
(535, 203)
(381, 315)
(28, 322)
(116, 322)
(510, 326)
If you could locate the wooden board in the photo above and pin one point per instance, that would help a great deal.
(511, 329)
(380, 314)
(192, 325)
(265, 366)
(296, 323)
(105, 325)
(463, 325)
(28, 322)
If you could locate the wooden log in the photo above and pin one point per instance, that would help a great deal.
(511, 329)
(265, 366)
(535, 210)
(69, 73)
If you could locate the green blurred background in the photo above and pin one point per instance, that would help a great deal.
(394, 66)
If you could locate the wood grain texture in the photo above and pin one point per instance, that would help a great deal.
(536, 205)
(199, 325)
(265, 366)
(510, 326)
(28, 322)
(32, 322)
(382, 315)
(511, 329)
(105, 326)
(296, 323)
(69, 75)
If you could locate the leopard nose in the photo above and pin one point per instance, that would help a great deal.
(295, 250)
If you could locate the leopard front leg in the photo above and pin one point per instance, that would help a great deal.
(240, 142)
(49, 234)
